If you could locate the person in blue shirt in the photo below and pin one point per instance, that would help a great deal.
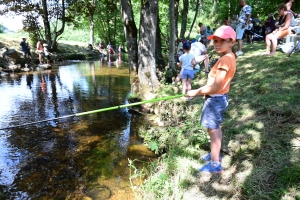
(187, 63)
(24, 47)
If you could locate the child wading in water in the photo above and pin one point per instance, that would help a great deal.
(187, 63)
(216, 95)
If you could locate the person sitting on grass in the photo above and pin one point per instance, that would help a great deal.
(216, 95)
(279, 33)
(187, 63)
(47, 54)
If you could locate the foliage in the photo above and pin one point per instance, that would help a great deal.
(1, 28)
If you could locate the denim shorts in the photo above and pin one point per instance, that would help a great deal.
(240, 31)
(187, 74)
(213, 111)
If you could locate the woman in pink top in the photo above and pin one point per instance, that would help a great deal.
(39, 50)
(216, 94)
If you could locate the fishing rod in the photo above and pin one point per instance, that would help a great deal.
(99, 110)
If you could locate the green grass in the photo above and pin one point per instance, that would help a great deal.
(261, 136)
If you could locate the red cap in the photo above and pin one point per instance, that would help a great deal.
(224, 32)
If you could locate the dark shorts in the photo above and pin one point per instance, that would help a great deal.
(213, 111)
(48, 57)
(248, 32)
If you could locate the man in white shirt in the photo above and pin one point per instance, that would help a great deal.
(199, 51)
(243, 21)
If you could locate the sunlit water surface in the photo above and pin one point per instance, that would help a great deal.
(71, 157)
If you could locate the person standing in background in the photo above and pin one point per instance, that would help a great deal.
(24, 47)
(40, 50)
(243, 21)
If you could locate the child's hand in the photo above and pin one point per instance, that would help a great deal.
(192, 93)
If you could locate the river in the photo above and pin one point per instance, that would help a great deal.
(74, 157)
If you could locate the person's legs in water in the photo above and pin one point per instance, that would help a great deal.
(40, 58)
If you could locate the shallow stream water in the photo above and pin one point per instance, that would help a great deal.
(69, 158)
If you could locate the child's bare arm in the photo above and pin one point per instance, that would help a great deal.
(209, 89)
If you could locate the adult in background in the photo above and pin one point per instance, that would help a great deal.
(243, 21)
(101, 49)
(39, 50)
(28, 53)
(204, 33)
(199, 51)
(272, 38)
(24, 47)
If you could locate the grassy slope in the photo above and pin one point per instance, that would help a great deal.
(261, 137)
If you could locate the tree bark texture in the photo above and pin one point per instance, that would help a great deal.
(184, 17)
(46, 22)
(176, 15)
(160, 62)
(146, 60)
(130, 33)
(61, 30)
(172, 35)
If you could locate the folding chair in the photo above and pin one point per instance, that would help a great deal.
(294, 49)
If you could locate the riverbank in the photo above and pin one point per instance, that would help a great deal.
(261, 134)
(67, 50)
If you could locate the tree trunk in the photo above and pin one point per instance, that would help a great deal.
(184, 17)
(46, 22)
(176, 14)
(61, 30)
(172, 35)
(214, 8)
(160, 62)
(92, 29)
(195, 17)
(130, 33)
(146, 60)
(131, 42)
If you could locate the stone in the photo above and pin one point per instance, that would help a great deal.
(3, 51)
(12, 56)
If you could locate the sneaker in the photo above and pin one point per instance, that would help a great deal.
(212, 168)
(207, 157)
(239, 53)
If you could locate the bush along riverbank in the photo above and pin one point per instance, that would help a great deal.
(261, 137)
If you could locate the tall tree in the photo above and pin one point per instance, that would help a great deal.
(130, 33)
(51, 12)
(195, 17)
(184, 17)
(160, 62)
(172, 35)
(176, 15)
(146, 62)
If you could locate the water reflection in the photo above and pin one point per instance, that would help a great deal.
(61, 158)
